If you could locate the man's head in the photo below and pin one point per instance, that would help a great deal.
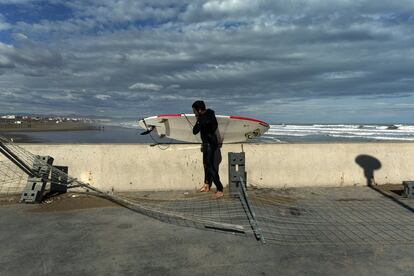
(199, 107)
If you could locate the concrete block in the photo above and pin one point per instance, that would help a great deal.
(409, 188)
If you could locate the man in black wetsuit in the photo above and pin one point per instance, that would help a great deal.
(207, 125)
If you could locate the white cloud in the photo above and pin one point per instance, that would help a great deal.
(102, 97)
(4, 26)
(5, 62)
(125, 10)
(174, 86)
(343, 75)
(139, 86)
(228, 5)
(20, 37)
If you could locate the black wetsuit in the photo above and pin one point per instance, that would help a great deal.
(207, 126)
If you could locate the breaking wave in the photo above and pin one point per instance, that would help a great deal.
(285, 133)
(332, 132)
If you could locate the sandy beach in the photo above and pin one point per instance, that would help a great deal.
(29, 131)
(46, 126)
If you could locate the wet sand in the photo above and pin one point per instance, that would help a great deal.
(103, 134)
(62, 203)
(46, 126)
(70, 202)
(21, 133)
(19, 138)
(9, 199)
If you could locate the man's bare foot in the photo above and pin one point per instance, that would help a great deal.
(218, 194)
(205, 188)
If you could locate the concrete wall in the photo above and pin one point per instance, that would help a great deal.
(142, 167)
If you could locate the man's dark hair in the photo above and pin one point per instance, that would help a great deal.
(199, 105)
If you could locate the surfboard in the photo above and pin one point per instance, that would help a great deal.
(231, 129)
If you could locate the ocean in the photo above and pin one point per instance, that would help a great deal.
(128, 132)
(281, 133)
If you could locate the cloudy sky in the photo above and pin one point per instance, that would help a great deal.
(275, 60)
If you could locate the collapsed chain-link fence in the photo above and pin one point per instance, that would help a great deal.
(346, 216)
(329, 216)
(195, 210)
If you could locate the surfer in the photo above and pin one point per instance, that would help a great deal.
(207, 125)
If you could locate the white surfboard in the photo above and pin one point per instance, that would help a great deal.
(231, 129)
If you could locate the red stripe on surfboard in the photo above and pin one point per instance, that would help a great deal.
(231, 117)
(169, 115)
(249, 119)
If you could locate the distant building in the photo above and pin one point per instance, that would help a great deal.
(9, 117)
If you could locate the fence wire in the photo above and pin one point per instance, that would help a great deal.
(198, 210)
(339, 216)
(12, 179)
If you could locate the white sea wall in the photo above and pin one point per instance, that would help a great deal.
(126, 167)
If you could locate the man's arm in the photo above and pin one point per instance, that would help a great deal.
(214, 123)
(211, 121)
(196, 128)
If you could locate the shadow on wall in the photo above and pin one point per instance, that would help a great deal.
(369, 164)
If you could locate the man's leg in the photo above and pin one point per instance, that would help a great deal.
(207, 174)
(208, 177)
(210, 156)
(217, 159)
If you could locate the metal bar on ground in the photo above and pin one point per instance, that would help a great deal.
(393, 198)
(250, 213)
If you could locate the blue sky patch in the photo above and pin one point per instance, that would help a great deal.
(35, 12)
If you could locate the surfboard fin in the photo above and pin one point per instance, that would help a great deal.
(148, 131)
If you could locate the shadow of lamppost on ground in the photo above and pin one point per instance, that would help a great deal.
(369, 164)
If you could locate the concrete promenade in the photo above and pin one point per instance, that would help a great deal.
(171, 167)
(41, 240)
